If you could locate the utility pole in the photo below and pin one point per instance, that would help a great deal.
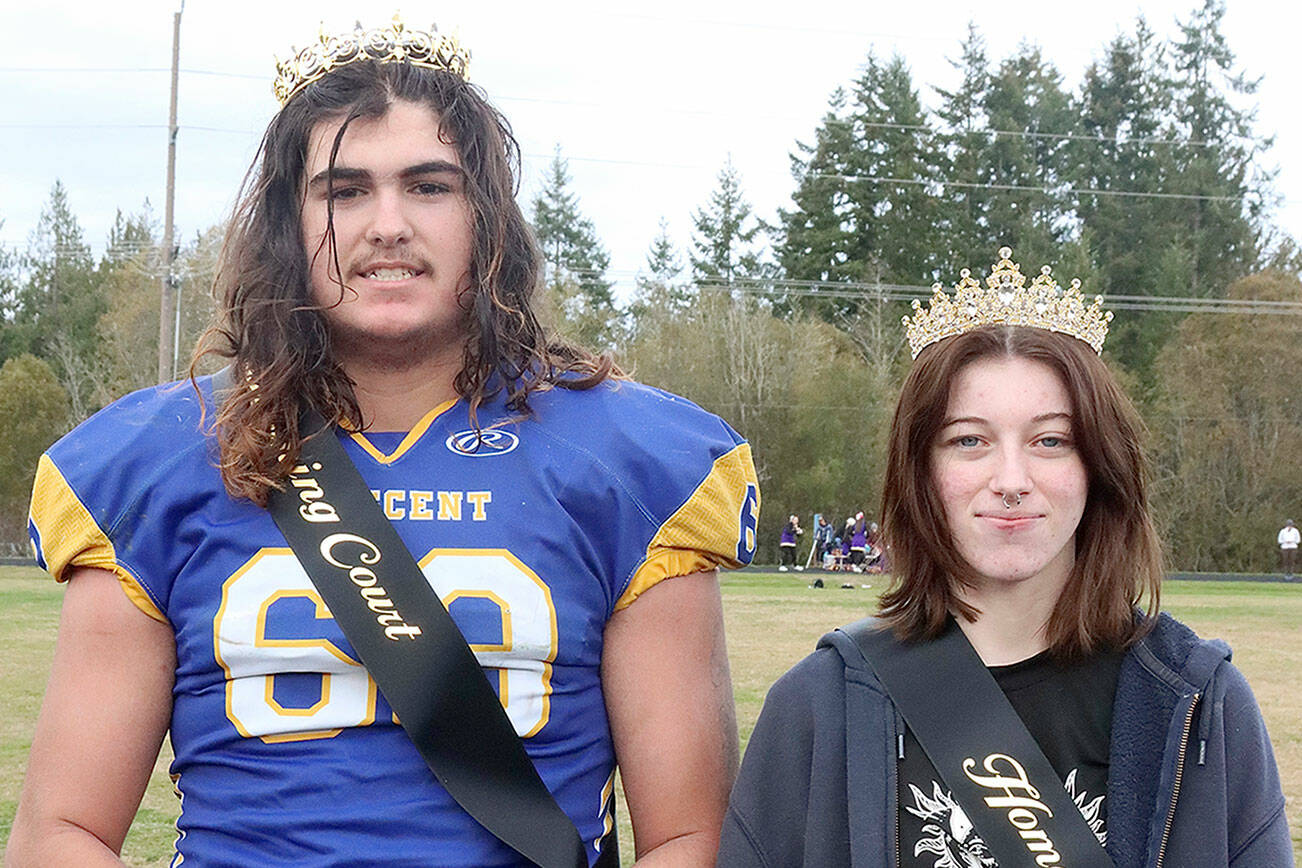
(167, 307)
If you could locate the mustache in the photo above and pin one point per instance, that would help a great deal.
(371, 263)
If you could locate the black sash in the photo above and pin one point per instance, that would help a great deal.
(412, 648)
(987, 758)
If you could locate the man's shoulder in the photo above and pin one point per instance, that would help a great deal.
(623, 413)
(110, 491)
(616, 396)
(683, 480)
(144, 429)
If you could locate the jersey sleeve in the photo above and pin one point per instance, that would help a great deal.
(103, 494)
(714, 527)
(671, 487)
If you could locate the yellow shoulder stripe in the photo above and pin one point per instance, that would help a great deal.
(71, 538)
(703, 533)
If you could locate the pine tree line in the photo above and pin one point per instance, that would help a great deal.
(1148, 180)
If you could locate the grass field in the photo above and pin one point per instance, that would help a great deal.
(772, 621)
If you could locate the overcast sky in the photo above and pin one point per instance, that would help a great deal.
(645, 100)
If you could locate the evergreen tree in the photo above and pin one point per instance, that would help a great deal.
(1029, 112)
(131, 242)
(660, 293)
(1156, 121)
(1122, 115)
(662, 260)
(57, 303)
(1222, 228)
(866, 201)
(819, 239)
(576, 261)
(663, 270)
(966, 141)
(724, 234)
(896, 147)
(896, 207)
(817, 235)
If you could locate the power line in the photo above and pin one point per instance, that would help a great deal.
(101, 70)
(1036, 134)
(871, 292)
(926, 182)
(672, 110)
(884, 125)
(864, 291)
(1088, 191)
(124, 126)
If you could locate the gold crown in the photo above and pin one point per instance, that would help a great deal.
(392, 43)
(1007, 300)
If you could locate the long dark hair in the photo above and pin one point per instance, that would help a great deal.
(1118, 556)
(277, 339)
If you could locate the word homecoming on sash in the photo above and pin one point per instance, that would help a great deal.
(316, 509)
(1020, 798)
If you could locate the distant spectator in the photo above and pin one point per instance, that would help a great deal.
(858, 543)
(873, 554)
(823, 536)
(787, 545)
(1289, 537)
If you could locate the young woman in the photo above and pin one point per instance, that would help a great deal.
(1016, 511)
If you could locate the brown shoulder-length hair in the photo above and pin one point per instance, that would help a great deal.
(1118, 556)
(277, 339)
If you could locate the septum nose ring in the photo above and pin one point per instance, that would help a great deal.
(1018, 502)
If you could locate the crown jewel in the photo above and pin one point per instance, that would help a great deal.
(1006, 299)
(391, 43)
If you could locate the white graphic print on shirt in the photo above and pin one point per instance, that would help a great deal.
(948, 834)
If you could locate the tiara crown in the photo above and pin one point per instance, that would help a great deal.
(392, 43)
(1007, 299)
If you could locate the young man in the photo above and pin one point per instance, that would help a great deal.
(379, 272)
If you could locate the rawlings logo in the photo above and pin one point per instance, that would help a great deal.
(484, 443)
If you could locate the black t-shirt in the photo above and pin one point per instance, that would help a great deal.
(1066, 708)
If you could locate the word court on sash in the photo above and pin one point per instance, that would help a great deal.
(314, 508)
(1020, 798)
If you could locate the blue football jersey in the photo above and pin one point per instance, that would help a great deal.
(533, 535)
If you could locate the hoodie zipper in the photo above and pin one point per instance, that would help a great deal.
(894, 800)
(897, 836)
(1179, 773)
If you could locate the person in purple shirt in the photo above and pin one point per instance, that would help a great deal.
(787, 544)
(858, 543)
